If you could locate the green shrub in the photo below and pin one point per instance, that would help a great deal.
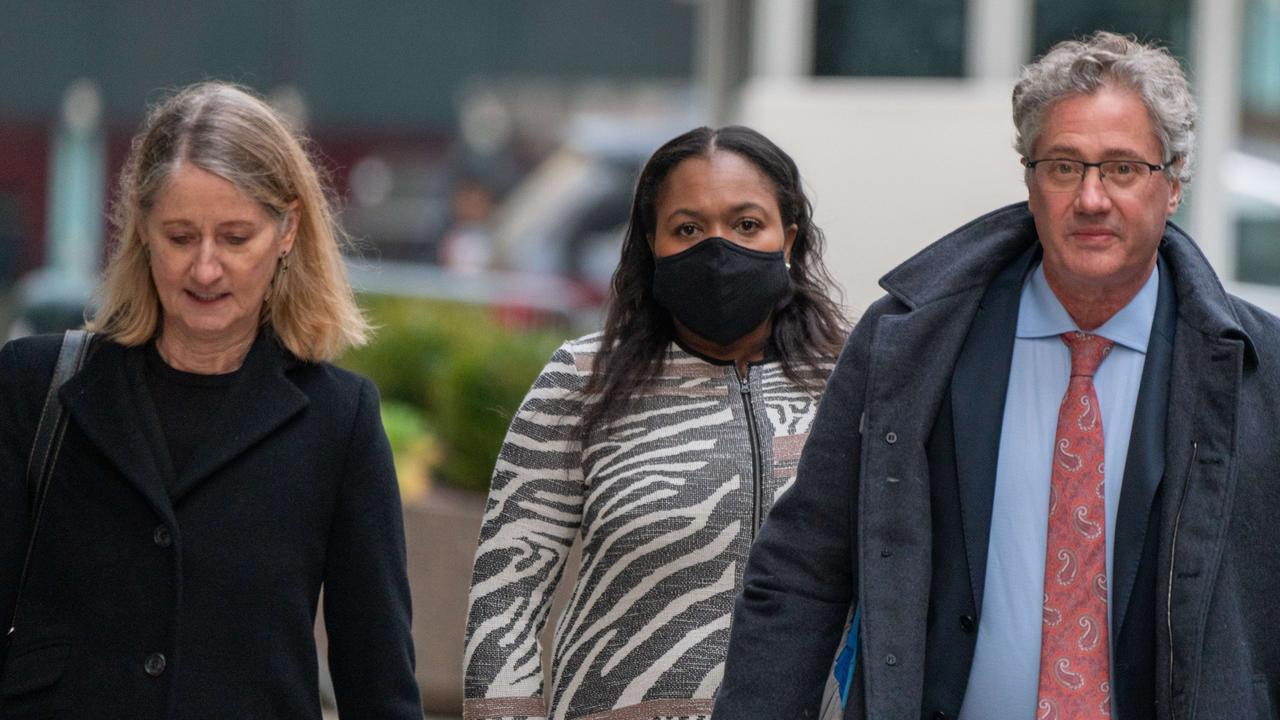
(480, 389)
(460, 368)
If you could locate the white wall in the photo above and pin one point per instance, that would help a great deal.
(890, 165)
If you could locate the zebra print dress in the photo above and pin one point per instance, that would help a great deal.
(666, 501)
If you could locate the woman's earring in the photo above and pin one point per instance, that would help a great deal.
(284, 262)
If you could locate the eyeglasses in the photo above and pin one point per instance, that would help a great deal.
(1064, 175)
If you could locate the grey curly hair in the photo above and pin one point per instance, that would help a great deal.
(1081, 67)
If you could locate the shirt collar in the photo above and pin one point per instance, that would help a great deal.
(1040, 314)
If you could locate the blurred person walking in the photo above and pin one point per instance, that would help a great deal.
(661, 442)
(215, 472)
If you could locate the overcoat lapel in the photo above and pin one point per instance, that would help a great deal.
(1144, 465)
(978, 388)
(107, 403)
(261, 400)
(1211, 353)
(903, 397)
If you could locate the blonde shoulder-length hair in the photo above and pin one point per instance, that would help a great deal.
(228, 131)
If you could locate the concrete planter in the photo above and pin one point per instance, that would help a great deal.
(440, 535)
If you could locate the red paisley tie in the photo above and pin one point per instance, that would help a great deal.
(1074, 677)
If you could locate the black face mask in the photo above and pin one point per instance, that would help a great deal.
(719, 290)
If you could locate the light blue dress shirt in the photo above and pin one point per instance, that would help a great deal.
(1004, 679)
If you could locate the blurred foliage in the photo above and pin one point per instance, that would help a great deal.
(415, 447)
(451, 376)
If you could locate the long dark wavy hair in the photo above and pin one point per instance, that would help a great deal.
(811, 327)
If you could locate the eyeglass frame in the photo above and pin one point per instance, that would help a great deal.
(1153, 167)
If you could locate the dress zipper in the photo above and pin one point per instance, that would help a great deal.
(744, 387)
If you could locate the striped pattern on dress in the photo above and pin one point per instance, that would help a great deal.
(663, 502)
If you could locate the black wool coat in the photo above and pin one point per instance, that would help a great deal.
(195, 596)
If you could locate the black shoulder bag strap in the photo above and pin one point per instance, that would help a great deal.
(44, 450)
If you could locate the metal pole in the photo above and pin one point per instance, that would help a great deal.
(76, 186)
(722, 58)
(1215, 56)
(782, 37)
(998, 38)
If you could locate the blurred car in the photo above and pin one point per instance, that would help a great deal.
(47, 302)
(569, 215)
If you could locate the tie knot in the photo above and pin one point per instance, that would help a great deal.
(1087, 352)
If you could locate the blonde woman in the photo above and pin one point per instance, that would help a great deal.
(216, 472)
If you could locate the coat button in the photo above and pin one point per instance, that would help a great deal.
(162, 536)
(155, 664)
(967, 623)
(891, 659)
(891, 437)
(941, 716)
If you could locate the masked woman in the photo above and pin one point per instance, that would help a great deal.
(661, 442)
(215, 472)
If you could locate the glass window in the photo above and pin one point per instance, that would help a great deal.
(1261, 70)
(890, 38)
(1162, 21)
(1257, 249)
(1257, 238)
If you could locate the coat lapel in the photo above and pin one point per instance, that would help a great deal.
(109, 406)
(1212, 352)
(260, 401)
(978, 388)
(903, 397)
(1144, 465)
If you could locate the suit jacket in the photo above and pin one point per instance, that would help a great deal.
(962, 452)
(201, 601)
(898, 520)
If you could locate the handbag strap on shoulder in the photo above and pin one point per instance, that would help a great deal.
(75, 344)
(44, 449)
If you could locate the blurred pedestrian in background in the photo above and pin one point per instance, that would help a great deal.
(216, 472)
(662, 442)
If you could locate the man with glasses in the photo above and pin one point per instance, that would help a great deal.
(1043, 479)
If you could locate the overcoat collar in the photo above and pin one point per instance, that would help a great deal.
(108, 401)
(973, 255)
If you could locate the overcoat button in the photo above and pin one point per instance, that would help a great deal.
(891, 437)
(155, 664)
(967, 623)
(890, 659)
(162, 536)
(941, 716)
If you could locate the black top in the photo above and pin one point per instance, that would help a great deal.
(185, 404)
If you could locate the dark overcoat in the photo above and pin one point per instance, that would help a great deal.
(891, 509)
(151, 596)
